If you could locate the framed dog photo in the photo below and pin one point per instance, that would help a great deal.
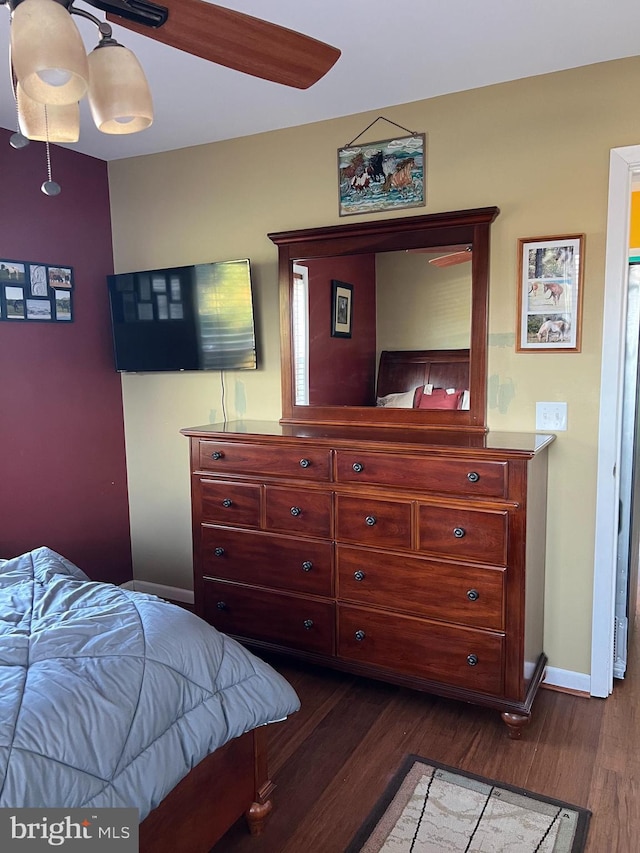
(550, 276)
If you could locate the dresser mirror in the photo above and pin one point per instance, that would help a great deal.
(370, 312)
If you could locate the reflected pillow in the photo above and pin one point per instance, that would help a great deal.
(439, 398)
(403, 400)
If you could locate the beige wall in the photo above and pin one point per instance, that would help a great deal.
(537, 148)
(419, 305)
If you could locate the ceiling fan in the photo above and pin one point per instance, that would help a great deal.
(51, 71)
(453, 255)
(228, 38)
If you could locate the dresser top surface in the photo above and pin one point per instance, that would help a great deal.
(440, 440)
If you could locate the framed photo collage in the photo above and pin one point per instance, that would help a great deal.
(35, 292)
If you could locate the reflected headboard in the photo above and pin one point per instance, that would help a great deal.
(403, 370)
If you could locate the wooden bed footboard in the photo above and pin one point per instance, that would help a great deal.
(231, 782)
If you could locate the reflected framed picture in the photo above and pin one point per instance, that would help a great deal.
(341, 309)
(550, 276)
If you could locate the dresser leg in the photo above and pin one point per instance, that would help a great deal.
(515, 723)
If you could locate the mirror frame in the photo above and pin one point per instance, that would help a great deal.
(389, 235)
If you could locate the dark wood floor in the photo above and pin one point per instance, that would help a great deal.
(333, 759)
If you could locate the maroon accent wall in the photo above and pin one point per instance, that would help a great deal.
(62, 455)
(342, 370)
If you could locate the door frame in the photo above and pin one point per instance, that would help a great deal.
(622, 163)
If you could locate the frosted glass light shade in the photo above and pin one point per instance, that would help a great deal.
(119, 94)
(61, 123)
(48, 53)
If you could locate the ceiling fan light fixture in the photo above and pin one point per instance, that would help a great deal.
(119, 95)
(42, 123)
(47, 52)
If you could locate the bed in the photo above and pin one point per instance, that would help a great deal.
(114, 698)
(421, 379)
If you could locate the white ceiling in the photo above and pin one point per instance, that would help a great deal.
(391, 54)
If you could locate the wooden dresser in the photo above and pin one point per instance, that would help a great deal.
(412, 556)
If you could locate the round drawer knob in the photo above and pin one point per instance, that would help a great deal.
(472, 660)
(358, 467)
(219, 552)
(458, 532)
(295, 510)
(217, 454)
(307, 566)
(308, 624)
(221, 605)
(304, 463)
(227, 502)
(473, 594)
(359, 576)
(370, 520)
(473, 476)
(359, 635)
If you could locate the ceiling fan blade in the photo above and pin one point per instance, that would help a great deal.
(241, 42)
(452, 259)
(438, 250)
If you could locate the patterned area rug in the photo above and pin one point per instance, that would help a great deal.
(431, 808)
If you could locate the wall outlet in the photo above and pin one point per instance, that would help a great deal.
(551, 417)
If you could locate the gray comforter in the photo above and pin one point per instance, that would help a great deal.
(109, 697)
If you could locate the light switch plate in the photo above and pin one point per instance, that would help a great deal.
(551, 416)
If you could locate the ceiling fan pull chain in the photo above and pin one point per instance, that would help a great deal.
(17, 139)
(49, 187)
(381, 118)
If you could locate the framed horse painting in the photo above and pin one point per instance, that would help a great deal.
(386, 175)
(550, 276)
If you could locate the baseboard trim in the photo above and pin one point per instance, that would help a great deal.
(171, 593)
(566, 679)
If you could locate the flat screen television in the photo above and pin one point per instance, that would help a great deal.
(197, 317)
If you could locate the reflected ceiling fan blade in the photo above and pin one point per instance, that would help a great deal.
(240, 42)
(439, 250)
(452, 259)
(458, 254)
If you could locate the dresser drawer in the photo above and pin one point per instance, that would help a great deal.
(302, 511)
(450, 476)
(373, 522)
(464, 533)
(266, 559)
(463, 657)
(230, 458)
(272, 617)
(452, 593)
(230, 503)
